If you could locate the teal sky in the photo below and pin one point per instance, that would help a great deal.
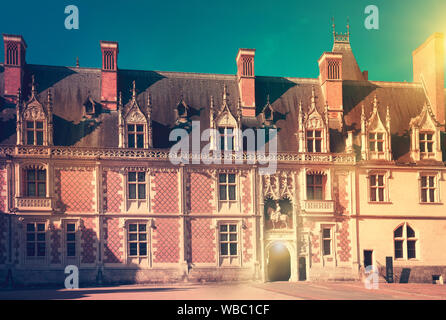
(204, 36)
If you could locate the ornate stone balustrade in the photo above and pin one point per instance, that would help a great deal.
(164, 155)
(325, 206)
(34, 204)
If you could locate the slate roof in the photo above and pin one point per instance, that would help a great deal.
(72, 86)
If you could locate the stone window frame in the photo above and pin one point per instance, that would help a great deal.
(143, 205)
(35, 260)
(405, 239)
(20, 172)
(235, 261)
(34, 130)
(437, 178)
(128, 259)
(63, 224)
(387, 176)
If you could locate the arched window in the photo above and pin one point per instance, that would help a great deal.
(405, 242)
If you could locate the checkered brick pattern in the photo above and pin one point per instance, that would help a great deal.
(113, 238)
(247, 242)
(200, 191)
(113, 192)
(75, 190)
(344, 248)
(3, 195)
(3, 229)
(166, 241)
(315, 249)
(202, 241)
(88, 240)
(246, 194)
(56, 242)
(165, 192)
(341, 195)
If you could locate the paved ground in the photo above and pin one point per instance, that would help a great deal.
(255, 291)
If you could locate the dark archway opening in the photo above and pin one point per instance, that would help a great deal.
(279, 263)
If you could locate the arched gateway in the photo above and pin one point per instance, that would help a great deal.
(279, 263)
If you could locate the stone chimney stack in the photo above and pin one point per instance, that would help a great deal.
(15, 52)
(246, 81)
(330, 78)
(109, 75)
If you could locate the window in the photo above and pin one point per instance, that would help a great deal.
(376, 141)
(428, 188)
(135, 135)
(227, 187)
(315, 187)
(35, 183)
(70, 232)
(377, 188)
(314, 140)
(404, 238)
(137, 185)
(137, 239)
(228, 240)
(35, 240)
(226, 138)
(326, 241)
(34, 133)
(426, 143)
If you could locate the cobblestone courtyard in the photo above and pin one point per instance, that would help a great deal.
(256, 291)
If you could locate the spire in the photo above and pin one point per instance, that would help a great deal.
(225, 99)
(388, 119)
(313, 98)
(239, 110)
(149, 105)
(375, 103)
(120, 101)
(77, 62)
(267, 99)
(300, 115)
(211, 112)
(348, 27)
(49, 99)
(339, 36)
(19, 95)
(134, 90)
(333, 26)
(33, 86)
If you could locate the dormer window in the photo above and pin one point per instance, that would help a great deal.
(376, 142)
(425, 136)
(314, 140)
(135, 135)
(426, 144)
(226, 138)
(34, 133)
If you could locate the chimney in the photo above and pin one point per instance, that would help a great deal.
(15, 51)
(109, 75)
(246, 81)
(428, 68)
(330, 78)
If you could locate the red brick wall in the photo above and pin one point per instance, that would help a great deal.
(12, 76)
(88, 240)
(113, 239)
(344, 244)
(165, 192)
(166, 241)
(246, 193)
(56, 243)
(75, 190)
(109, 89)
(341, 195)
(200, 191)
(247, 242)
(113, 192)
(202, 241)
